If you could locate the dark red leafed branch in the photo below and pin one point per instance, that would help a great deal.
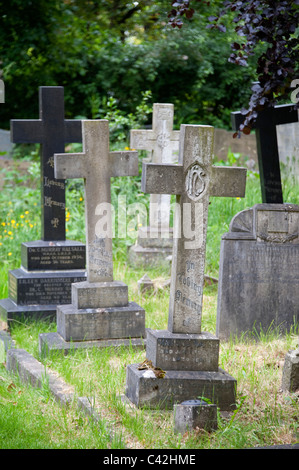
(273, 23)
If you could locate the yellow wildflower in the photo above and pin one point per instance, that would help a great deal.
(9, 254)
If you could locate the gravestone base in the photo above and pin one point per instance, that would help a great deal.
(144, 389)
(37, 294)
(190, 363)
(50, 343)
(171, 350)
(10, 312)
(153, 248)
(106, 314)
(44, 280)
(100, 323)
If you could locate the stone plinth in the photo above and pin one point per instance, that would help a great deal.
(145, 390)
(174, 351)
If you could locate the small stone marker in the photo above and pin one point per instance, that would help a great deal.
(189, 356)
(258, 288)
(155, 241)
(192, 414)
(290, 373)
(145, 285)
(267, 147)
(100, 309)
(52, 264)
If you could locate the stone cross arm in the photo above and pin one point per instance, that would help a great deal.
(73, 165)
(169, 179)
(147, 139)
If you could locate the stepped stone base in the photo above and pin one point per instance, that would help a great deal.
(54, 343)
(100, 323)
(10, 312)
(144, 389)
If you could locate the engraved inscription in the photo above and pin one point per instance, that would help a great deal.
(188, 288)
(195, 181)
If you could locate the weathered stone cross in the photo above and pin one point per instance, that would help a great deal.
(162, 141)
(193, 180)
(97, 165)
(53, 132)
(267, 147)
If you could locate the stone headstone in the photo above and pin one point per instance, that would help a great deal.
(258, 288)
(267, 147)
(188, 356)
(99, 310)
(48, 266)
(154, 244)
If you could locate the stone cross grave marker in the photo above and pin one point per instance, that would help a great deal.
(49, 265)
(52, 131)
(162, 141)
(99, 304)
(183, 351)
(267, 147)
(155, 241)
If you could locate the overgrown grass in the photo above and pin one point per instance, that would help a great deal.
(30, 418)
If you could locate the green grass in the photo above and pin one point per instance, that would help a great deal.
(30, 419)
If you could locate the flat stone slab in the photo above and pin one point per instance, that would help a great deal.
(174, 351)
(53, 342)
(144, 389)
(100, 323)
(10, 311)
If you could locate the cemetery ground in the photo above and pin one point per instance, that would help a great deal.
(30, 418)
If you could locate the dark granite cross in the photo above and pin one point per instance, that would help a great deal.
(267, 147)
(53, 132)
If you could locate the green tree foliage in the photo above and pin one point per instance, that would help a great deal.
(111, 48)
